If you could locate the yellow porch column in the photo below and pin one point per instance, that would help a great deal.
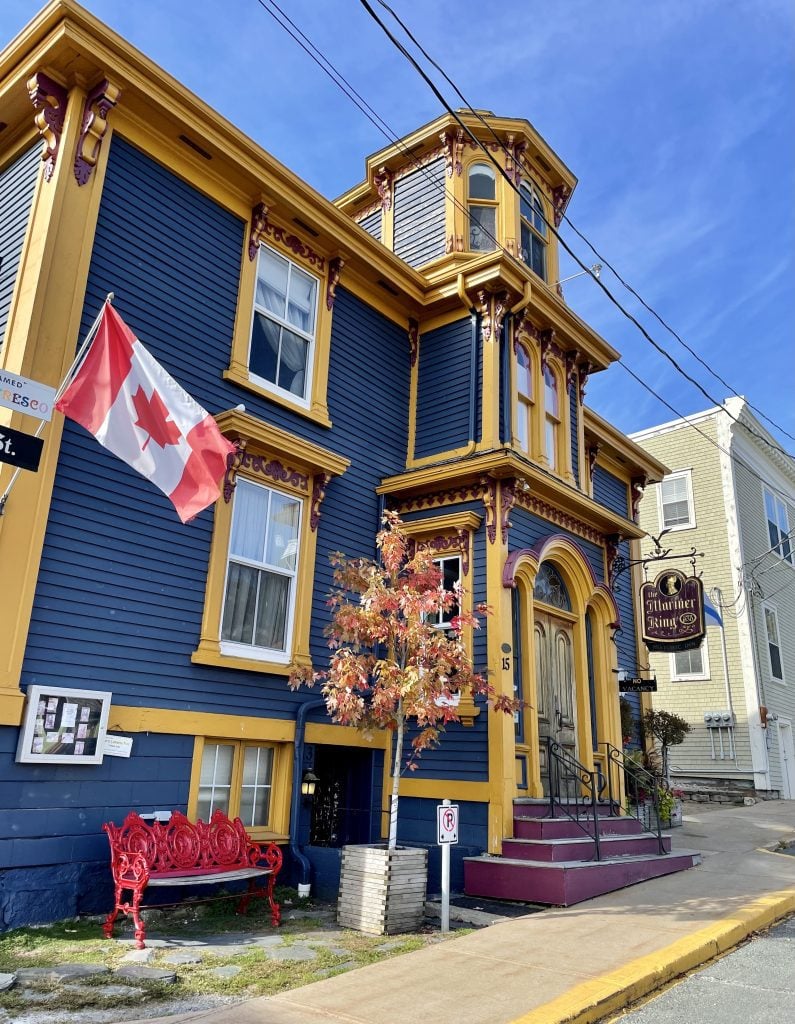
(41, 339)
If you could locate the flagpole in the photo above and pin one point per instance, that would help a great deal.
(78, 359)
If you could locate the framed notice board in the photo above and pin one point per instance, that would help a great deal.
(63, 726)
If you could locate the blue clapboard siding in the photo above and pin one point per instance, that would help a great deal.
(527, 529)
(17, 184)
(610, 491)
(111, 611)
(575, 433)
(419, 214)
(372, 224)
(52, 848)
(625, 641)
(444, 389)
(417, 827)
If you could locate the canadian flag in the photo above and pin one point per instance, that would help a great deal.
(125, 398)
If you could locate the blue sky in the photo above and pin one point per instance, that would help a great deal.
(676, 117)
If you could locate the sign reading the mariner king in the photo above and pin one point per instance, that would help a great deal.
(672, 609)
(22, 395)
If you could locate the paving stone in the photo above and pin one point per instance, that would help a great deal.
(227, 951)
(139, 956)
(109, 991)
(296, 952)
(150, 943)
(177, 958)
(61, 972)
(387, 947)
(7, 981)
(230, 971)
(138, 973)
(324, 972)
(267, 941)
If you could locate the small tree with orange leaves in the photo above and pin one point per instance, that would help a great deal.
(390, 664)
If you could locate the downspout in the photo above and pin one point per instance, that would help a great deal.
(295, 804)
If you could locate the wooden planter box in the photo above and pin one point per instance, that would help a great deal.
(382, 891)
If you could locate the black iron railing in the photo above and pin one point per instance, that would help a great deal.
(573, 790)
(641, 788)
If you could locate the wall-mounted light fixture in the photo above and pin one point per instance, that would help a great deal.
(595, 271)
(308, 784)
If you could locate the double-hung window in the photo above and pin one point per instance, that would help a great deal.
(690, 664)
(773, 643)
(676, 502)
(778, 527)
(524, 397)
(259, 599)
(238, 777)
(284, 325)
(533, 229)
(551, 417)
(482, 208)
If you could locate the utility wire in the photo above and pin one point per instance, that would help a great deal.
(662, 351)
(339, 80)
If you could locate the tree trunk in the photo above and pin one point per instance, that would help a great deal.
(393, 810)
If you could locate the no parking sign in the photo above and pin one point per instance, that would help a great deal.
(447, 822)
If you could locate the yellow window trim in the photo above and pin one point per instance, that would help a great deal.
(315, 405)
(278, 827)
(307, 470)
(535, 438)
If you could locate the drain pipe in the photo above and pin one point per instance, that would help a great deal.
(295, 805)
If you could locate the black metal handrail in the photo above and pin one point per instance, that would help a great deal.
(580, 788)
(637, 782)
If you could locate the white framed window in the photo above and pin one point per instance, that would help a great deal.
(236, 778)
(778, 527)
(259, 596)
(693, 664)
(482, 207)
(284, 324)
(450, 568)
(676, 502)
(773, 643)
(551, 417)
(533, 229)
(524, 397)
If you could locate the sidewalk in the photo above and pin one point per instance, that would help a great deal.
(574, 964)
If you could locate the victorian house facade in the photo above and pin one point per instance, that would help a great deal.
(405, 347)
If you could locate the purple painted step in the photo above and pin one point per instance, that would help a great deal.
(533, 807)
(565, 828)
(566, 882)
(582, 847)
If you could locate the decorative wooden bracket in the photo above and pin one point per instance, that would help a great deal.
(453, 146)
(513, 163)
(571, 369)
(319, 485)
(49, 99)
(414, 340)
(638, 487)
(560, 197)
(233, 461)
(593, 453)
(99, 103)
(507, 501)
(259, 225)
(493, 307)
(335, 265)
(384, 181)
(546, 339)
(262, 465)
(490, 503)
(584, 370)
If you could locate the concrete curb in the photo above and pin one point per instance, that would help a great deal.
(595, 999)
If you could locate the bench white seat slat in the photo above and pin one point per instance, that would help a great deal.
(208, 877)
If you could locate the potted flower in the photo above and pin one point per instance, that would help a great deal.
(392, 666)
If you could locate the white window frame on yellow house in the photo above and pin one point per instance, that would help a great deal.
(452, 536)
(526, 406)
(271, 237)
(276, 827)
(686, 677)
(690, 522)
(483, 203)
(560, 466)
(284, 464)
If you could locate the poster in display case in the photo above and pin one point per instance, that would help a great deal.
(63, 726)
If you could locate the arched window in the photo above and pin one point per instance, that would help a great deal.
(551, 417)
(550, 588)
(524, 396)
(482, 206)
(533, 229)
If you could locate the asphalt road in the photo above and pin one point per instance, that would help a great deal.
(755, 984)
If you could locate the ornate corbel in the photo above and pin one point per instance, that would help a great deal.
(526, 326)
(611, 549)
(49, 99)
(384, 181)
(453, 147)
(638, 486)
(593, 453)
(319, 485)
(414, 340)
(493, 307)
(99, 103)
(490, 504)
(455, 243)
(546, 340)
(259, 225)
(560, 196)
(464, 539)
(515, 155)
(571, 369)
(584, 370)
(507, 501)
(233, 461)
(335, 266)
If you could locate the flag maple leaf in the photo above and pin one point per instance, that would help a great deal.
(154, 419)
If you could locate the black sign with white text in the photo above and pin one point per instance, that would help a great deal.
(635, 684)
(18, 449)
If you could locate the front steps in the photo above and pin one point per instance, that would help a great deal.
(552, 859)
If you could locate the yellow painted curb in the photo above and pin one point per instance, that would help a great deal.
(611, 992)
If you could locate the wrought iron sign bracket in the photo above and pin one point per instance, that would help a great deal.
(621, 565)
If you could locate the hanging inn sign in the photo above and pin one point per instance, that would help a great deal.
(673, 612)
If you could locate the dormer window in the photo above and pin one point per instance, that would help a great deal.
(534, 229)
(482, 207)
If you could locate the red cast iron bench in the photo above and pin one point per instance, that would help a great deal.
(182, 852)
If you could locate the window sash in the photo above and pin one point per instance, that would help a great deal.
(689, 664)
(676, 508)
(773, 644)
(482, 228)
(236, 778)
(450, 568)
(778, 527)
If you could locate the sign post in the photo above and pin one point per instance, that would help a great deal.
(447, 822)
